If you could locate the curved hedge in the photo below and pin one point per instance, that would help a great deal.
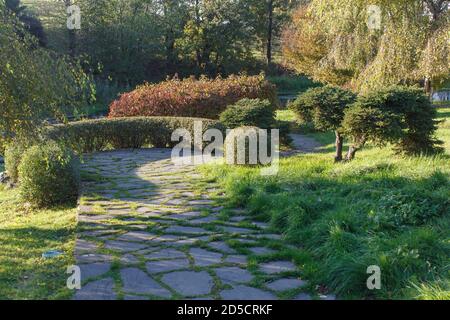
(204, 98)
(123, 133)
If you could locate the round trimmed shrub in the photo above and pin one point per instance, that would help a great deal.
(49, 175)
(324, 106)
(204, 98)
(365, 124)
(401, 115)
(242, 146)
(249, 112)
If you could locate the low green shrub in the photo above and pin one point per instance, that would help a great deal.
(255, 113)
(409, 208)
(123, 133)
(324, 107)
(242, 146)
(49, 175)
(249, 112)
(401, 115)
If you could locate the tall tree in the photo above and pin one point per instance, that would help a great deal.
(30, 23)
(218, 35)
(125, 37)
(268, 17)
(334, 43)
(34, 84)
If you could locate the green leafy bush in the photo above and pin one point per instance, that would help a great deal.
(256, 113)
(13, 156)
(400, 115)
(49, 175)
(35, 83)
(324, 107)
(204, 98)
(123, 133)
(409, 208)
(370, 124)
(249, 112)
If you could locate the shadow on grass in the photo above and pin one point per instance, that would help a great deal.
(443, 115)
(114, 175)
(25, 274)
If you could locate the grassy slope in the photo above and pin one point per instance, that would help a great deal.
(24, 235)
(346, 217)
(292, 84)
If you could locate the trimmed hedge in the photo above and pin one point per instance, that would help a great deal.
(123, 133)
(204, 98)
(49, 175)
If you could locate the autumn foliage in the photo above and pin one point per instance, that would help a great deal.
(205, 98)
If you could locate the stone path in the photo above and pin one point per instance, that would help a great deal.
(149, 229)
(302, 144)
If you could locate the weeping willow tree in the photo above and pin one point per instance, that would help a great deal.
(353, 44)
(35, 83)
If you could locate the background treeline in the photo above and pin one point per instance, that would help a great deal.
(127, 42)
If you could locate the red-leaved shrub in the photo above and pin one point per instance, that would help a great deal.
(204, 98)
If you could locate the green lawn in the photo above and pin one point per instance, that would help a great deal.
(24, 235)
(380, 209)
(292, 84)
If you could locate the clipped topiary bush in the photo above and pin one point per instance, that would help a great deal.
(255, 113)
(49, 175)
(243, 147)
(324, 107)
(249, 112)
(204, 98)
(401, 115)
(369, 124)
(123, 133)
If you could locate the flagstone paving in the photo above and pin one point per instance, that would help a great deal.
(149, 229)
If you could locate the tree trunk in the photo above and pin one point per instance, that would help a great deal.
(339, 145)
(269, 34)
(351, 153)
(356, 146)
(428, 87)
